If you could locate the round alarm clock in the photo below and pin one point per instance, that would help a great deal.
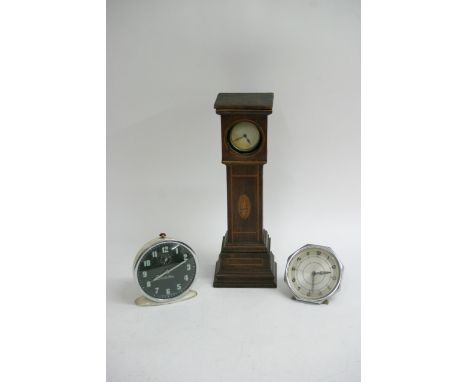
(164, 269)
(313, 273)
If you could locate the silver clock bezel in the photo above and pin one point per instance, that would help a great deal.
(322, 299)
(139, 257)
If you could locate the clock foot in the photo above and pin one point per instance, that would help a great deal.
(143, 301)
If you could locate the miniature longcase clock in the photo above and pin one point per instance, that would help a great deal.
(245, 259)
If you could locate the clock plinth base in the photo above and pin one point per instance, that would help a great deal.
(246, 265)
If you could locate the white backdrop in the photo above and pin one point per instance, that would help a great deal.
(167, 61)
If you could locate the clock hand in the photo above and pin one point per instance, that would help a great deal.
(322, 272)
(242, 136)
(313, 276)
(169, 270)
(248, 140)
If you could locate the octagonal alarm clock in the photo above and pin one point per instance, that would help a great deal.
(313, 274)
(164, 270)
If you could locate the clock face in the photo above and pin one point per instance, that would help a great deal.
(313, 273)
(165, 270)
(244, 136)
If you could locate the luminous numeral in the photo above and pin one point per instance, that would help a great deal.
(147, 263)
(155, 254)
(165, 249)
(145, 274)
(156, 290)
(186, 277)
(185, 256)
(179, 287)
(189, 267)
(168, 291)
(148, 284)
(176, 249)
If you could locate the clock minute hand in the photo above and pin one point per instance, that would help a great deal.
(322, 272)
(169, 270)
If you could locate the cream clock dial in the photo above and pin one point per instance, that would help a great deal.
(313, 273)
(244, 136)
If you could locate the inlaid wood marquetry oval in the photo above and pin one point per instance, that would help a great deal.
(244, 206)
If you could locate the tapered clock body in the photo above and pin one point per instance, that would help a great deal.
(245, 259)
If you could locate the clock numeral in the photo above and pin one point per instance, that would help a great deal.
(155, 254)
(189, 267)
(293, 280)
(147, 263)
(333, 266)
(298, 259)
(165, 249)
(145, 274)
(293, 269)
(168, 291)
(319, 253)
(186, 277)
(156, 290)
(179, 287)
(185, 256)
(148, 284)
(176, 249)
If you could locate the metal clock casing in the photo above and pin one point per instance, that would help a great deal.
(164, 269)
(312, 261)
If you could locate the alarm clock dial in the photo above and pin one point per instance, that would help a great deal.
(244, 136)
(313, 273)
(165, 270)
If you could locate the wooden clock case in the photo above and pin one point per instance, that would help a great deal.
(245, 260)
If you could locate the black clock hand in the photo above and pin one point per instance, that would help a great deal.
(322, 272)
(313, 276)
(248, 140)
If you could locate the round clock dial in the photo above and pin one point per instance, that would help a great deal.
(244, 136)
(165, 269)
(313, 273)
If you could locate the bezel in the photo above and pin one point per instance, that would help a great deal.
(289, 282)
(238, 151)
(139, 257)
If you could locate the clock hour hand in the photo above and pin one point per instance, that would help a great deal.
(313, 277)
(169, 270)
(242, 136)
(322, 272)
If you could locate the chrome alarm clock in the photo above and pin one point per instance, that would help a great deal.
(164, 270)
(313, 273)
